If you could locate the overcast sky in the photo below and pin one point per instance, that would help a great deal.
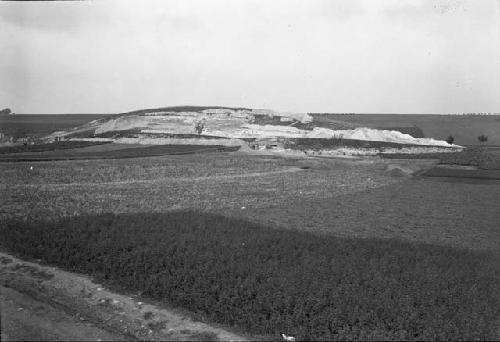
(388, 56)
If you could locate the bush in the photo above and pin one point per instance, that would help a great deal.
(450, 139)
(482, 138)
(268, 281)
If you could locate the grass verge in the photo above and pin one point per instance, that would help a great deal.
(268, 281)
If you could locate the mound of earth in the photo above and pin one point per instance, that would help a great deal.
(231, 123)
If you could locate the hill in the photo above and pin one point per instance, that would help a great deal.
(224, 125)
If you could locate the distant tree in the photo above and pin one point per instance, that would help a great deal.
(482, 138)
(450, 139)
(199, 127)
(5, 111)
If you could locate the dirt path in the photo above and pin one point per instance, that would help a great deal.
(45, 303)
(26, 319)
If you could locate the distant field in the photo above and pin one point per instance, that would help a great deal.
(362, 199)
(316, 248)
(59, 145)
(206, 181)
(458, 173)
(465, 129)
(41, 124)
(112, 153)
(483, 157)
(325, 143)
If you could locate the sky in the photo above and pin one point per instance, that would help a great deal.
(367, 56)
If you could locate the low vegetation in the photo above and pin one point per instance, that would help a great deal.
(482, 138)
(135, 152)
(21, 126)
(483, 158)
(58, 145)
(268, 281)
(325, 143)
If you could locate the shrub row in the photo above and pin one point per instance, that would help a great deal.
(268, 281)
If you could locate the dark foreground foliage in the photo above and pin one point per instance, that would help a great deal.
(268, 281)
(58, 145)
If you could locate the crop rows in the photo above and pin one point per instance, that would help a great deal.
(268, 281)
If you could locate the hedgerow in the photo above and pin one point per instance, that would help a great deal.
(268, 281)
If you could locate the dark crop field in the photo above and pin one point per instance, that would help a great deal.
(486, 158)
(134, 152)
(325, 143)
(58, 145)
(267, 281)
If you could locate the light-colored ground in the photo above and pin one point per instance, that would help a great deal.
(45, 303)
(25, 318)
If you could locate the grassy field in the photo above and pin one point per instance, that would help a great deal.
(333, 249)
(203, 181)
(35, 124)
(112, 153)
(483, 157)
(59, 145)
(463, 173)
(268, 281)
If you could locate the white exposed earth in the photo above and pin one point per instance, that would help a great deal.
(239, 124)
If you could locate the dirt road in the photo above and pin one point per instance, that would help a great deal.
(23, 318)
(45, 303)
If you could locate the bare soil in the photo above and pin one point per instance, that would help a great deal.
(45, 303)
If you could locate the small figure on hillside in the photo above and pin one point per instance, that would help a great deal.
(450, 139)
(199, 126)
